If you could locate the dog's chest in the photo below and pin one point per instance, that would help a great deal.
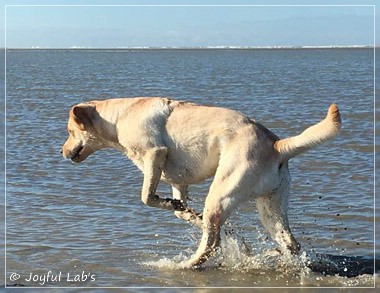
(136, 154)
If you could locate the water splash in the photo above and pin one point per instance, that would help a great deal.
(235, 254)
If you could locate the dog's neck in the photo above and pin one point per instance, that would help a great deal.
(105, 125)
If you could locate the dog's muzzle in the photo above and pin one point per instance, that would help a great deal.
(75, 153)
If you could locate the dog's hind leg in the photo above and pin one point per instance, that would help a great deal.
(189, 215)
(210, 239)
(273, 215)
(225, 193)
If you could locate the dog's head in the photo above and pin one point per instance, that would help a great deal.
(82, 140)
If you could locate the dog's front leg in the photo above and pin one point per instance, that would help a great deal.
(189, 215)
(154, 161)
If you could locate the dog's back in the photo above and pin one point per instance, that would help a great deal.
(198, 136)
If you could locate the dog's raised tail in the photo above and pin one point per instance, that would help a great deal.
(312, 136)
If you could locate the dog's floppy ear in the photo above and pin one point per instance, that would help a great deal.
(82, 116)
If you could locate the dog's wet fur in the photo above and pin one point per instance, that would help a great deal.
(183, 143)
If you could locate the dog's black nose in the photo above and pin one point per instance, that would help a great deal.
(61, 151)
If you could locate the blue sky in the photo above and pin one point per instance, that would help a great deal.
(180, 26)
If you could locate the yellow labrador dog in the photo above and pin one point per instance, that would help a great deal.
(183, 143)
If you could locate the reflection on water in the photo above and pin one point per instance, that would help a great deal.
(88, 217)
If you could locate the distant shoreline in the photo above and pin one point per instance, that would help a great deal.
(198, 48)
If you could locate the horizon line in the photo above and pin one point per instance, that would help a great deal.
(195, 47)
(190, 5)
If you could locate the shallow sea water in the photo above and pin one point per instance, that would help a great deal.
(87, 219)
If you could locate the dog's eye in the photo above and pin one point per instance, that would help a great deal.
(280, 166)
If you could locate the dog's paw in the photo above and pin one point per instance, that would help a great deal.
(176, 204)
(194, 214)
(190, 265)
